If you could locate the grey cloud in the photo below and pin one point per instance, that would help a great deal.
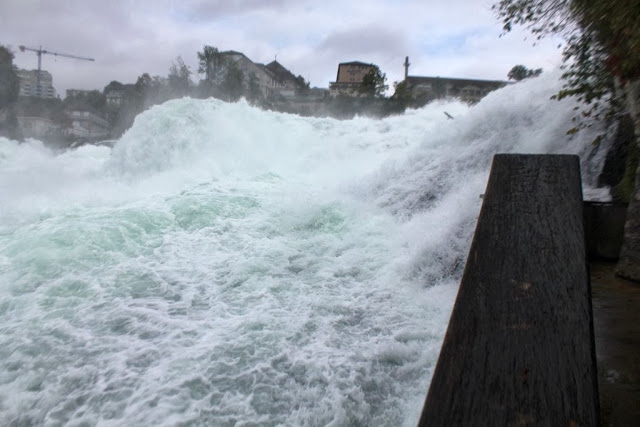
(74, 27)
(368, 40)
(207, 9)
(129, 37)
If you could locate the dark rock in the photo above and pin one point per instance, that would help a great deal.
(629, 264)
(615, 162)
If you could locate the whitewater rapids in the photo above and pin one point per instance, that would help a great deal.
(223, 265)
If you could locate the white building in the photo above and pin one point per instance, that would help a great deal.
(87, 125)
(267, 81)
(115, 97)
(29, 84)
(38, 127)
(287, 82)
(77, 92)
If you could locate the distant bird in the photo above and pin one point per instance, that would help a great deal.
(449, 116)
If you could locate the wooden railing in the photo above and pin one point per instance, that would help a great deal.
(519, 349)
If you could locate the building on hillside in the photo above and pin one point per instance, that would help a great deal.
(267, 81)
(77, 92)
(115, 97)
(38, 127)
(87, 125)
(427, 89)
(318, 93)
(117, 94)
(29, 84)
(286, 81)
(349, 78)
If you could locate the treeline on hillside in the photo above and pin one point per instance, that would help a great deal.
(9, 90)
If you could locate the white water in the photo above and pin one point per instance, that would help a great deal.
(223, 265)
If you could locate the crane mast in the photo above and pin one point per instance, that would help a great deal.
(40, 51)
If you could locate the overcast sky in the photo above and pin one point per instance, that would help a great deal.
(448, 38)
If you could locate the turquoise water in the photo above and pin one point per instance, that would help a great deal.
(223, 265)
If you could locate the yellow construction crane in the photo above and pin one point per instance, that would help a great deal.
(40, 51)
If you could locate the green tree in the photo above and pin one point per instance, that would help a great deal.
(232, 85)
(9, 91)
(133, 102)
(9, 81)
(93, 99)
(403, 97)
(179, 78)
(302, 86)
(602, 43)
(520, 72)
(113, 86)
(144, 81)
(96, 99)
(374, 82)
(152, 90)
(400, 100)
(211, 63)
(401, 91)
(602, 66)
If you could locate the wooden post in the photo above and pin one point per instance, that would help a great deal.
(519, 348)
(406, 67)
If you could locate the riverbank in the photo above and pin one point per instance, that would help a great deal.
(616, 314)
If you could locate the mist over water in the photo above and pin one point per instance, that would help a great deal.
(225, 265)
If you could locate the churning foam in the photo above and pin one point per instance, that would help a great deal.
(223, 264)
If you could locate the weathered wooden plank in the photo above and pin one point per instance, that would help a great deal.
(519, 348)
